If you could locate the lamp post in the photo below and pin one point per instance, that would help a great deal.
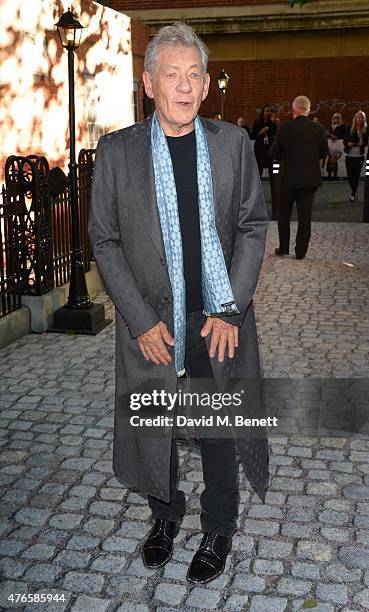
(223, 79)
(79, 314)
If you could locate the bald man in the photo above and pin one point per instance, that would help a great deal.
(299, 146)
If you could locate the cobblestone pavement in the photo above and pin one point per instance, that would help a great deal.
(68, 527)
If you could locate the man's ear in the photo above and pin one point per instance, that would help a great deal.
(147, 84)
(206, 86)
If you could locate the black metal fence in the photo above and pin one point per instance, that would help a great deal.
(35, 228)
(11, 276)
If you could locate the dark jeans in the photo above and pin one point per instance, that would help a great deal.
(353, 167)
(220, 497)
(304, 204)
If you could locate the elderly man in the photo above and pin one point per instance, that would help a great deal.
(299, 145)
(177, 227)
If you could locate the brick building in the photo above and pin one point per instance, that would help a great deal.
(272, 52)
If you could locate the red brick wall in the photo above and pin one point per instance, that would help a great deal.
(255, 83)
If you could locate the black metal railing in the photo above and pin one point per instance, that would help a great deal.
(35, 228)
(61, 220)
(11, 268)
(61, 229)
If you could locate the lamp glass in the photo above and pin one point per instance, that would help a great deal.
(69, 30)
(223, 79)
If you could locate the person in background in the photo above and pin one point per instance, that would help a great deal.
(315, 119)
(335, 135)
(241, 122)
(276, 118)
(355, 141)
(217, 116)
(263, 132)
(300, 144)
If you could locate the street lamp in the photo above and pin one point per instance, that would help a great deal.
(79, 314)
(223, 79)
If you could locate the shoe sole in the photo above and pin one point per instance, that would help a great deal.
(205, 581)
(157, 566)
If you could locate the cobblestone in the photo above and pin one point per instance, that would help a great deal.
(203, 598)
(293, 586)
(314, 551)
(249, 584)
(72, 559)
(68, 525)
(42, 573)
(261, 603)
(39, 552)
(170, 594)
(85, 583)
(92, 604)
(354, 557)
(268, 568)
(308, 571)
(362, 598)
(271, 549)
(336, 593)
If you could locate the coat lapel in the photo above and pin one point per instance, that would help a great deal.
(221, 170)
(142, 171)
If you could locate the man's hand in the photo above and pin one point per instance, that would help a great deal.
(222, 334)
(153, 344)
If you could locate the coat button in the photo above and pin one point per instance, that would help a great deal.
(161, 260)
(166, 300)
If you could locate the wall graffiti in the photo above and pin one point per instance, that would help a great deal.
(334, 105)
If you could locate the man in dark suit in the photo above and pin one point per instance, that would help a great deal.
(299, 145)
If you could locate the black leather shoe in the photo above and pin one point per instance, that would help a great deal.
(300, 256)
(209, 561)
(158, 548)
(279, 251)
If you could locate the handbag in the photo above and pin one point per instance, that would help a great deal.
(335, 148)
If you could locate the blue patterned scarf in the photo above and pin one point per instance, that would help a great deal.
(216, 289)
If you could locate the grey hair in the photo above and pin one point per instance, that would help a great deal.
(302, 104)
(178, 33)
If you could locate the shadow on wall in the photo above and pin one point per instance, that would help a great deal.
(34, 77)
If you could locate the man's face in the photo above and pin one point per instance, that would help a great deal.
(241, 122)
(178, 88)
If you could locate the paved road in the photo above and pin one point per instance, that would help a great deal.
(68, 527)
(331, 202)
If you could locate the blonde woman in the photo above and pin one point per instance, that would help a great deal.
(355, 141)
(335, 135)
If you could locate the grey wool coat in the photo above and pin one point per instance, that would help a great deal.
(126, 239)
